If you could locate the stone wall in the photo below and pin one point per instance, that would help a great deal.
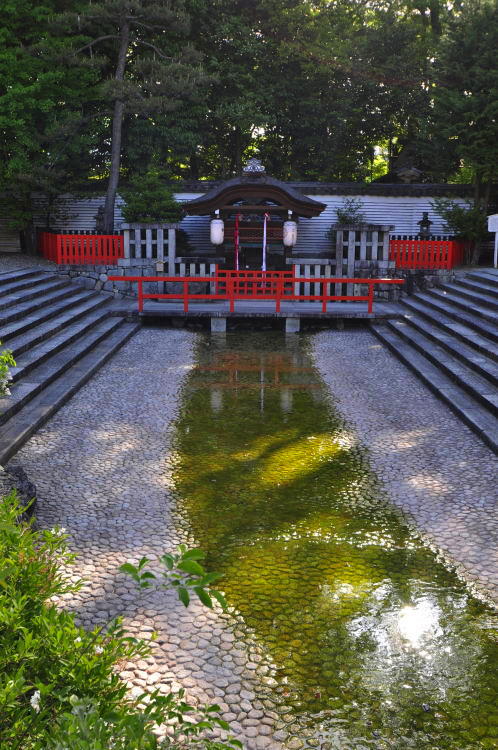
(97, 277)
(416, 280)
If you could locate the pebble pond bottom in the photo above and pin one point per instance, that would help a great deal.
(360, 636)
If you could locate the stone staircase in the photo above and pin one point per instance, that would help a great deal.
(60, 334)
(449, 338)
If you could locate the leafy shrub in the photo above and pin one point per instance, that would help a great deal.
(467, 221)
(148, 200)
(350, 212)
(6, 361)
(58, 688)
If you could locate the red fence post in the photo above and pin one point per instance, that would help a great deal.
(140, 296)
(185, 296)
(370, 297)
(58, 251)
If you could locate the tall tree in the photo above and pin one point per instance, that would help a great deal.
(147, 65)
(465, 114)
(44, 110)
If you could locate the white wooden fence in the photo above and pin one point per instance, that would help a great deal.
(356, 251)
(146, 243)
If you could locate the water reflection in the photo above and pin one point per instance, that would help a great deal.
(365, 639)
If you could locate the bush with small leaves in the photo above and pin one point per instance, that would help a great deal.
(58, 687)
(6, 361)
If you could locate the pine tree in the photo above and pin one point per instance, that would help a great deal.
(147, 65)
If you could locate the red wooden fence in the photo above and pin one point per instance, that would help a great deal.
(280, 286)
(81, 249)
(426, 253)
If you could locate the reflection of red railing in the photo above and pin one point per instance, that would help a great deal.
(280, 286)
(426, 253)
(81, 249)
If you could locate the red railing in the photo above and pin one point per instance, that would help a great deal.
(81, 249)
(426, 253)
(279, 286)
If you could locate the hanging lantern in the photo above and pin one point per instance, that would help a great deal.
(217, 231)
(290, 233)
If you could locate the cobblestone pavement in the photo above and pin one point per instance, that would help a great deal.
(12, 261)
(431, 464)
(102, 467)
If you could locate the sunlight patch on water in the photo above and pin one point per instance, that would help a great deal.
(365, 640)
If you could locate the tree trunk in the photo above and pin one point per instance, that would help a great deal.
(29, 239)
(117, 127)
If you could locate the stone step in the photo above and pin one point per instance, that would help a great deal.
(483, 327)
(486, 276)
(452, 328)
(477, 361)
(476, 416)
(46, 346)
(19, 428)
(25, 282)
(7, 277)
(477, 286)
(19, 310)
(31, 292)
(449, 295)
(49, 312)
(476, 297)
(91, 312)
(47, 371)
(476, 386)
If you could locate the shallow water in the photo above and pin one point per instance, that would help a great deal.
(361, 637)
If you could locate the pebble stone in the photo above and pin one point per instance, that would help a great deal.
(433, 467)
(103, 469)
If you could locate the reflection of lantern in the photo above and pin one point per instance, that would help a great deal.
(290, 233)
(217, 231)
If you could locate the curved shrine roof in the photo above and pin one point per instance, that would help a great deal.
(255, 186)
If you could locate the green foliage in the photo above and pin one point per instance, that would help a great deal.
(58, 687)
(84, 728)
(183, 571)
(46, 105)
(350, 212)
(468, 222)
(149, 200)
(313, 88)
(465, 116)
(6, 361)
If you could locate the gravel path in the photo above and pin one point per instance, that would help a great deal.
(431, 464)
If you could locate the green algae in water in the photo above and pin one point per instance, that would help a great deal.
(366, 639)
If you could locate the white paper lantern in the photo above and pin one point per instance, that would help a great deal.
(290, 233)
(217, 231)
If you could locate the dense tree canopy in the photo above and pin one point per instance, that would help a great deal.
(93, 93)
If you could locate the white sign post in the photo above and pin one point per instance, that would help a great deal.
(493, 227)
